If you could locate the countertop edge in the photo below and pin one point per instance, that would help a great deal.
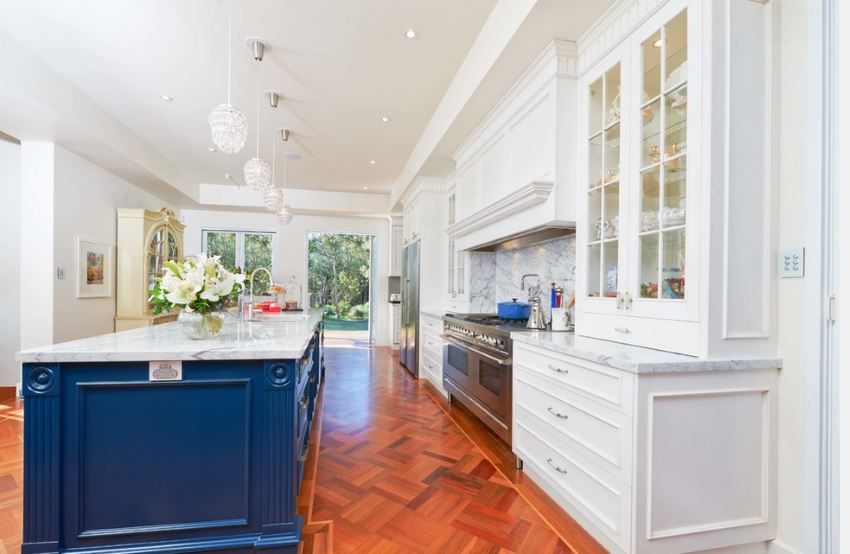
(212, 353)
(648, 367)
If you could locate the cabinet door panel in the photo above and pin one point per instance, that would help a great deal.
(663, 262)
(602, 253)
(492, 173)
(531, 140)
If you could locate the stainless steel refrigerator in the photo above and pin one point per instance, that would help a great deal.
(409, 353)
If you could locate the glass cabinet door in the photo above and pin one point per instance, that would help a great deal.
(661, 219)
(603, 196)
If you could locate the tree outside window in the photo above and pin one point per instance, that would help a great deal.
(243, 251)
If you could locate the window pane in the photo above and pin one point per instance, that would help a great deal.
(258, 253)
(676, 50)
(222, 244)
(594, 253)
(674, 265)
(651, 67)
(649, 266)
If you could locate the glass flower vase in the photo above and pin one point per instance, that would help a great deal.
(201, 326)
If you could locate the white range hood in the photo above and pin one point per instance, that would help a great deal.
(516, 172)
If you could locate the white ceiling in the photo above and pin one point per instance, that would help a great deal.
(339, 64)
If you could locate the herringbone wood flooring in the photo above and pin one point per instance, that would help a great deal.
(11, 471)
(397, 474)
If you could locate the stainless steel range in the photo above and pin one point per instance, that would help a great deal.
(477, 366)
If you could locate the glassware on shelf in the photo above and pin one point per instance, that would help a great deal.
(649, 221)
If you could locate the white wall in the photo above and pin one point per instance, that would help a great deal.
(291, 244)
(10, 245)
(792, 59)
(85, 199)
(36, 268)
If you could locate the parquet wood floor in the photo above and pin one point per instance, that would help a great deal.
(11, 471)
(397, 474)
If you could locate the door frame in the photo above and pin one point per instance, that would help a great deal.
(821, 462)
(373, 269)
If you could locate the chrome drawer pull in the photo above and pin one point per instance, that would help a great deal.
(624, 330)
(557, 414)
(556, 468)
(558, 369)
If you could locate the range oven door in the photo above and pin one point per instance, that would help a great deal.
(483, 376)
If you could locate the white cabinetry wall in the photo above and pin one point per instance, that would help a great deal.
(652, 463)
(674, 172)
(425, 220)
(516, 171)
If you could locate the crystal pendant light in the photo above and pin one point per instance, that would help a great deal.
(284, 215)
(258, 173)
(229, 126)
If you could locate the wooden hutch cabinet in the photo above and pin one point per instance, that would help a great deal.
(146, 240)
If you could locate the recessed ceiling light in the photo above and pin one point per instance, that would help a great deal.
(166, 98)
(373, 162)
(385, 119)
(657, 43)
(365, 188)
(411, 33)
(211, 148)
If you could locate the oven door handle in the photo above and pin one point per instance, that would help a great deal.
(459, 344)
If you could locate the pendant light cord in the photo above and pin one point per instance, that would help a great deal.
(229, 24)
(258, 109)
(274, 149)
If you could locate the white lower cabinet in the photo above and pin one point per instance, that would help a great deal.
(650, 462)
(395, 309)
(431, 350)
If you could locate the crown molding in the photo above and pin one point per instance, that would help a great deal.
(421, 185)
(531, 194)
(612, 28)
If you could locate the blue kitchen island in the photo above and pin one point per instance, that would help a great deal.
(148, 442)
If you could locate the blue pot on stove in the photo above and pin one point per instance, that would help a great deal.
(514, 309)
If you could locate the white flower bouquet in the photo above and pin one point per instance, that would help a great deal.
(199, 286)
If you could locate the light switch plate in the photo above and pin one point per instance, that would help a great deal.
(60, 272)
(792, 262)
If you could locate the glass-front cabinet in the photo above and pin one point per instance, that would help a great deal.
(636, 235)
(660, 284)
(146, 240)
(604, 202)
(163, 246)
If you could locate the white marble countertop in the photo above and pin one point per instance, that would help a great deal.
(634, 359)
(268, 339)
(432, 313)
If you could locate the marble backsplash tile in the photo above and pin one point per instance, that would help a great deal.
(495, 277)
(482, 282)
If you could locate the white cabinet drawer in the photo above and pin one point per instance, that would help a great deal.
(431, 370)
(431, 324)
(662, 334)
(610, 386)
(569, 421)
(597, 497)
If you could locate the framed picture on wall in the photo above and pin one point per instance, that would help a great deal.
(94, 268)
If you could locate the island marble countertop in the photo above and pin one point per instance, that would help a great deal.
(266, 340)
(634, 359)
